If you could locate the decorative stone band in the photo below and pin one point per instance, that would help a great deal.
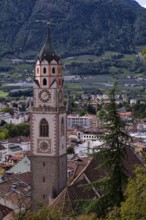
(48, 109)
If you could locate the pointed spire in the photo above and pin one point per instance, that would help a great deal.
(48, 52)
(49, 31)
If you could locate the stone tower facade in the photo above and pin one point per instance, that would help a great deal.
(48, 128)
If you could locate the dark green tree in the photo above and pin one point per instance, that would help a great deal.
(70, 150)
(22, 129)
(8, 110)
(134, 205)
(4, 134)
(82, 112)
(2, 123)
(12, 129)
(44, 213)
(116, 142)
(91, 110)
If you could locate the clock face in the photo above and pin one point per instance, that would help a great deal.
(44, 146)
(44, 95)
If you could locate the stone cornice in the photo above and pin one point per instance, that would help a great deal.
(47, 109)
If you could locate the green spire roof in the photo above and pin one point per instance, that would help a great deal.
(48, 52)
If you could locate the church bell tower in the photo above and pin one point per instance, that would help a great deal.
(48, 128)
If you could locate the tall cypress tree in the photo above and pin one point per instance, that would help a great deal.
(116, 141)
(111, 156)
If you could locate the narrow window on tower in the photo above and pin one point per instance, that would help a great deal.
(44, 164)
(44, 128)
(44, 179)
(53, 70)
(60, 81)
(62, 126)
(44, 82)
(37, 70)
(44, 70)
(60, 69)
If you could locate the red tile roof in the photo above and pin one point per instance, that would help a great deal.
(19, 139)
(125, 114)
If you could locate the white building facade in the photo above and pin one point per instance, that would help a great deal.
(81, 121)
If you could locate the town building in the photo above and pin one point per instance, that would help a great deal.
(14, 148)
(16, 119)
(89, 134)
(81, 121)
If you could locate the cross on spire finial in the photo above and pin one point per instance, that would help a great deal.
(49, 30)
(49, 22)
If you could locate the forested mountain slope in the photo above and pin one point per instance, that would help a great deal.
(78, 26)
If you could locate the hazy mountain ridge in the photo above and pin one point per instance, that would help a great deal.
(79, 26)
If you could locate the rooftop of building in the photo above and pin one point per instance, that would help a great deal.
(4, 211)
(66, 201)
(92, 131)
(15, 190)
(19, 139)
(78, 116)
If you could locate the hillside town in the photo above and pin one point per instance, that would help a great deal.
(73, 147)
(83, 137)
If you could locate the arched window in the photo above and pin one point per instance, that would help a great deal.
(53, 70)
(44, 82)
(44, 128)
(62, 127)
(44, 70)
